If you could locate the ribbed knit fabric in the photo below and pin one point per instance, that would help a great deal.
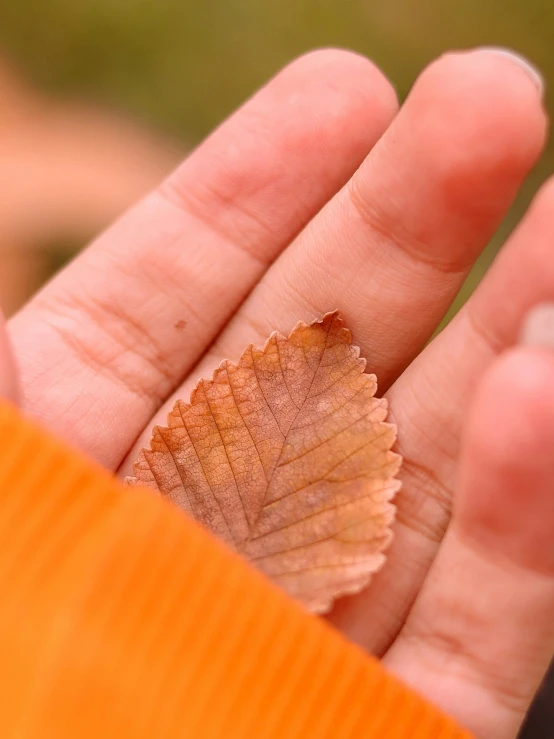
(120, 617)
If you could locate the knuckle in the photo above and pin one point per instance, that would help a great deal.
(103, 337)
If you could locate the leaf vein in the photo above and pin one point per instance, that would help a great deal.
(227, 456)
(319, 513)
(214, 496)
(244, 422)
(328, 439)
(334, 535)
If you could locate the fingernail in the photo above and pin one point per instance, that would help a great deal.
(522, 62)
(538, 327)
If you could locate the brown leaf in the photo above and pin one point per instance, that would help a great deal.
(286, 456)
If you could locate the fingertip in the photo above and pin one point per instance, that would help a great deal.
(506, 498)
(520, 61)
(288, 149)
(362, 95)
(469, 132)
(349, 67)
(516, 403)
(494, 103)
(538, 327)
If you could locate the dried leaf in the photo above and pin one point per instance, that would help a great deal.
(286, 456)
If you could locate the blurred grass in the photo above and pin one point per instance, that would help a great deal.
(183, 66)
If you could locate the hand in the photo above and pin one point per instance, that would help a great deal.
(318, 195)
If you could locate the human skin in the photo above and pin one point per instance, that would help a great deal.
(319, 193)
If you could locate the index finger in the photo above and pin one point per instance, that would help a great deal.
(104, 344)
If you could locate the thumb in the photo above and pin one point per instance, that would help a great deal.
(481, 633)
(8, 380)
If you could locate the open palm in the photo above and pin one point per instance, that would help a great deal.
(318, 194)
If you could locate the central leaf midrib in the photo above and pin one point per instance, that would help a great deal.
(252, 528)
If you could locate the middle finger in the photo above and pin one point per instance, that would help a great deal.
(392, 248)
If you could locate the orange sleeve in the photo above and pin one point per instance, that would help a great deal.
(120, 617)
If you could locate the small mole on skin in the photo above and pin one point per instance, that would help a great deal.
(180, 325)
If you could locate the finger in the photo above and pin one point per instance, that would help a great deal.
(429, 404)
(393, 248)
(8, 382)
(107, 341)
(481, 634)
(473, 125)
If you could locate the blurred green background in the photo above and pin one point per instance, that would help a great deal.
(184, 65)
(181, 66)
